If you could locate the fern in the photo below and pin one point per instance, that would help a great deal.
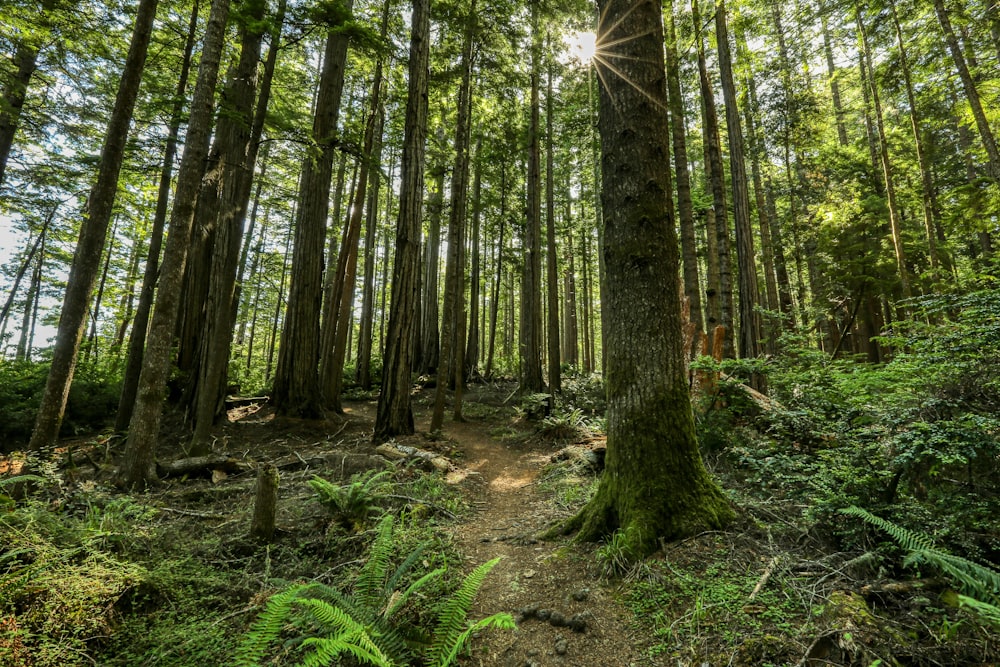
(363, 624)
(6, 481)
(979, 583)
(268, 626)
(353, 502)
(451, 633)
(371, 578)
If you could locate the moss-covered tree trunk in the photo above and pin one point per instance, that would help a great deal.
(655, 485)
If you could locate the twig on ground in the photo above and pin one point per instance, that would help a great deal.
(768, 571)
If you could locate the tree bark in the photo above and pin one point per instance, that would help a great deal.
(430, 336)
(971, 92)
(685, 209)
(236, 130)
(552, 277)
(751, 330)
(93, 231)
(137, 341)
(450, 366)
(717, 181)
(475, 278)
(654, 485)
(297, 391)
(530, 343)
(138, 465)
(895, 222)
(928, 198)
(395, 414)
(831, 71)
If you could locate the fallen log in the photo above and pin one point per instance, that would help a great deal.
(397, 452)
(201, 464)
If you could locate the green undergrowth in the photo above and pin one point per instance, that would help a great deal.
(703, 607)
(90, 576)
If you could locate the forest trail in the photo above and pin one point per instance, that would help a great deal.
(501, 481)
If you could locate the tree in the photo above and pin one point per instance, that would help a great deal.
(531, 278)
(15, 87)
(750, 324)
(655, 484)
(451, 367)
(395, 414)
(297, 390)
(137, 341)
(93, 231)
(138, 465)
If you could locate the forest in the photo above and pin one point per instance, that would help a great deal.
(521, 333)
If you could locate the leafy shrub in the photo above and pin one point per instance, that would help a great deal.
(93, 399)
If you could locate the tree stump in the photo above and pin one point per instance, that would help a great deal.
(265, 505)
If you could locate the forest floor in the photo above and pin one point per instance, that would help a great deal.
(770, 590)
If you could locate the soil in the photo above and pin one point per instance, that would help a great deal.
(500, 479)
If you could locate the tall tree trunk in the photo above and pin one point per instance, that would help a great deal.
(895, 222)
(717, 180)
(395, 414)
(971, 92)
(332, 361)
(297, 391)
(95, 313)
(93, 230)
(23, 352)
(751, 330)
(495, 300)
(39, 243)
(831, 70)
(554, 360)
(236, 130)
(928, 198)
(150, 274)
(655, 485)
(451, 367)
(363, 374)
(127, 302)
(430, 333)
(763, 218)
(685, 209)
(530, 344)
(138, 466)
(472, 348)
(15, 90)
(571, 342)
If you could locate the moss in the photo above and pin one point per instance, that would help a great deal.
(680, 500)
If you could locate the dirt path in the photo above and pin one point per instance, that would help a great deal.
(534, 575)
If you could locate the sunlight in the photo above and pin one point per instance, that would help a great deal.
(581, 46)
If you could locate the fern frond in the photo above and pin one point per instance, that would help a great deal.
(452, 617)
(325, 649)
(907, 539)
(979, 582)
(502, 621)
(399, 601)
(21, 478)
(268, 626)
(405, 567)
(370, 585)
(988, 612)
